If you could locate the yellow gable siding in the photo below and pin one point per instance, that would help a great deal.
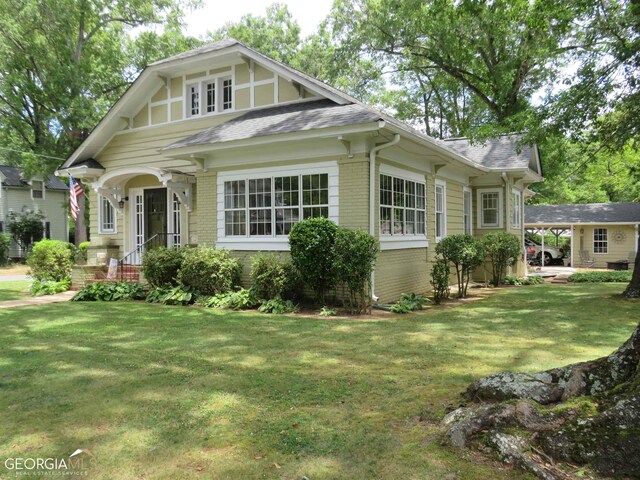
(287, 91)
(261, 73)
(160, 95)
(176, 87)
(618, 246)
(263, 95)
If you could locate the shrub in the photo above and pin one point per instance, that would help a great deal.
(503, 250)
(312, 244)
(440, 280)
(5, 245)
(270, 276)
(356, 253)
(601, 277)
(24, 227)
(278, 305)
(409, 302)
(209, 271)
(160, 266)
(532, 280)
(109, 291)
(49, 287)
(51, 260)
(81, 254)
(465, 253)
(242, 299)
(170, 295)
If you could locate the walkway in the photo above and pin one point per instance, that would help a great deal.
(43, 300)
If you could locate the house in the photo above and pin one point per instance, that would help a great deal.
(47, 195)
(605, 232)
(224, 146)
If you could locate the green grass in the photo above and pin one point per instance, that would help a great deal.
(173, 392)
(17, 290)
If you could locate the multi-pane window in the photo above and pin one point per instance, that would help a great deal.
(272, 205)
(37, 189)
(193, 92)
(209, 96)
(600, 241)
(227, 94)
(107, 216)
(466, 213)
(440, 209)
(516, 200)
(489, 209)
(402, 206)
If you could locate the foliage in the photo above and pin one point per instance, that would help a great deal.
(5, 246)
(25, 228)
(209, 271)
(160, 266)
(327, 312)
(409, 302)
(312, 244)
(243, 299)
(503, 249)
(356, 252)
(465, 253)
(109, 292)
(170, 295)
(440, 280)
(52, 260)
(82, 252)
(532, 280)
(49, 287)
(278, 306)
(271, 277)
(600, 277)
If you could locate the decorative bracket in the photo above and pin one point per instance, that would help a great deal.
(347, 145)
(113, 196)
(438, 166)
(198, 162)
(181, 187)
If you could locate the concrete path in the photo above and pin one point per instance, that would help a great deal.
(43, 300)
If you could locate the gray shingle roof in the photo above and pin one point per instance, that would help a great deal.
(211, 47)
(623, 212)
(13, 178)
(502, 152)
(295, 117)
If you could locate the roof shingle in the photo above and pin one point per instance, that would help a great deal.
(502, 152)
(13, 178)
(566, 214)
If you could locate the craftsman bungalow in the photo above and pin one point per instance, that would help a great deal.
(224, 146)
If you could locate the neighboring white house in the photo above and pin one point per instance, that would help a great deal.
(46, 195)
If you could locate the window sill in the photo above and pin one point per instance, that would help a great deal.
(401, 243)
(254, 244)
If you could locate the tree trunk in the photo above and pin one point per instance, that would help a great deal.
(633, 289)
(81, 228)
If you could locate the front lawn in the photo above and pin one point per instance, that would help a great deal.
(14, 290)
(173, 392)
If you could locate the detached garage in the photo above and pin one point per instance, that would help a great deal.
(603, 235)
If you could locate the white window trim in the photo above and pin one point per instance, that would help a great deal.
(606, 242)
(272, 243)
(518, 194)
(201, 83)
(468, 190)
(43, 190)
(443, 184)
(400, 242)
(500, 193)
(101, 230)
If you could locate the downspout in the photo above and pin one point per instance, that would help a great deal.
(372, 198)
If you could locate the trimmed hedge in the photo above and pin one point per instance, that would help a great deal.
(52, 260)
(209, 271)
(160, 266)
(601, 277)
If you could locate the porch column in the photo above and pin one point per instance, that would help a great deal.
(572, 243)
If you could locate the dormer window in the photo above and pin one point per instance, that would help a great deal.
(37, 189)
(209, 96)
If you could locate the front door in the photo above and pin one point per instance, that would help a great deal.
(155, 213)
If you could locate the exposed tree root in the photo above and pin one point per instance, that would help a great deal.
(602, 431)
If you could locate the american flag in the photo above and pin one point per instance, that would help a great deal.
(75, 190)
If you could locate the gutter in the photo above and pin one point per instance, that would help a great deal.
(372, 198)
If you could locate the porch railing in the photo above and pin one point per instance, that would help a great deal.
(157, 240)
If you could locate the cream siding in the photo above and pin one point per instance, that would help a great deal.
(242, 74)
(176, 88)
(160, 95)
(617, 249)
(243, 98)
(159, 114)
(263, 95)
(260, 73)
(287, 91)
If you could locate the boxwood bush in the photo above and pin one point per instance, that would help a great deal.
(272, 277)
(209, 271)
(51, 260)
(160, 266)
